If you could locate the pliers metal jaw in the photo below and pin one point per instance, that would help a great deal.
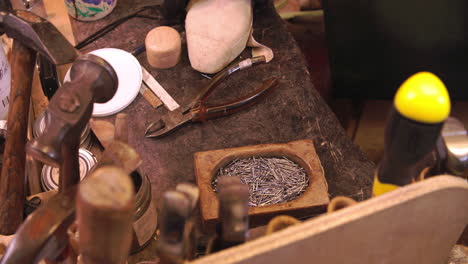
(199, 111)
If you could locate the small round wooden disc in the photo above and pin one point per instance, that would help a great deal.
(163, 47)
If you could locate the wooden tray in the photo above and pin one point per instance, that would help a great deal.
(314, 199)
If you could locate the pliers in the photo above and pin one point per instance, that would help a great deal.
(198, 111)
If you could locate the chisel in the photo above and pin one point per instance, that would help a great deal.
(420, 107)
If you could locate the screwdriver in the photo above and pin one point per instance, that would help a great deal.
(420, 107)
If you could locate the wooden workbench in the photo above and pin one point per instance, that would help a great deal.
(294, 111)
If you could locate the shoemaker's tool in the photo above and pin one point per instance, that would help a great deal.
(43, 233)
(129, 77)
(31, 34)
(233, 213)
(49, 223)
(175, 243)
(421, 105)
(198, 111)
(92, 80)
(145, 220)
(104, 211)
(455, 144)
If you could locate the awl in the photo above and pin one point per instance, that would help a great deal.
(421, 105)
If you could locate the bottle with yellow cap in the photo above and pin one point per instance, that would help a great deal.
(421, 105)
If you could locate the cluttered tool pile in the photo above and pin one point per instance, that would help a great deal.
(84, 186)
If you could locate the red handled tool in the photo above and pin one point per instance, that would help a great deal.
(199, 111)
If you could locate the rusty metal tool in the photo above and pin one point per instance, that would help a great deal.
(104, 211)
(37, 34)
(31, 34)
(199, 111)
(106, 197)
(233, 212)
(48, 224)
(92, 81)
(176, 239)
(43, 233)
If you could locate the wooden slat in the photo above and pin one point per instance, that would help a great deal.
(57, 14)
(370, 132)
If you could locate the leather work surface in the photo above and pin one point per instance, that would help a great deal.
(293, 111)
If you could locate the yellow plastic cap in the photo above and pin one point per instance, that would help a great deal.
(423, 97)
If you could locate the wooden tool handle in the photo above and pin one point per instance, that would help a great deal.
(105, 206)
(121, 128)
(12, 178)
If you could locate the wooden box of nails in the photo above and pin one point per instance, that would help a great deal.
(282, 178)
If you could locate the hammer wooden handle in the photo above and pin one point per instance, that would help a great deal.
(12, 178)
(105, 207)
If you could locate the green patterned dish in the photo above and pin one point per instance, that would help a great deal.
(90, 10)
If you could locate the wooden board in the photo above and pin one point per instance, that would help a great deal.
(418, 223)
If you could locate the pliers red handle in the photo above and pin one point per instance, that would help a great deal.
(198, 111)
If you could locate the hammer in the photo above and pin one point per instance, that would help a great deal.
(104, 205)
(93, 80)
(31, 34)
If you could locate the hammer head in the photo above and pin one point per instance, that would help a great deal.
(38, 34)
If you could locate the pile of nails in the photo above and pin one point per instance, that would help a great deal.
(271, 180)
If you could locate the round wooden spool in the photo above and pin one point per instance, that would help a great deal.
(163, 47)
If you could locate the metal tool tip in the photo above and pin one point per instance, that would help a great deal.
(155, 129)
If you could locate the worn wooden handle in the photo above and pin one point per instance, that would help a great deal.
(121, 128)
(105, 206)
(12, 178)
